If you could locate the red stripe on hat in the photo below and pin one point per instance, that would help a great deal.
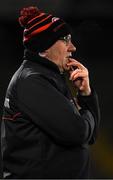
(39, 22)
(36, 17)
(27, 37)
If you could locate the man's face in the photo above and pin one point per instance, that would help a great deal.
(60, 52)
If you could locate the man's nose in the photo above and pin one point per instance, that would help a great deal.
(71, 47)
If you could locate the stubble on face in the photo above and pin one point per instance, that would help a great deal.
(59, 54)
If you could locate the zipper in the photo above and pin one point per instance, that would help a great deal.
(64, 76)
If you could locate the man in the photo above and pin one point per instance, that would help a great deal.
(46, 132)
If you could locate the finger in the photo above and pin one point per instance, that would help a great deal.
(71, 59)
(74, 72)
(76, 63)
(79, 72)
(77, 82)
(78, 75)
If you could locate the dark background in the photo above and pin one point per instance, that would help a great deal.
(92, 23)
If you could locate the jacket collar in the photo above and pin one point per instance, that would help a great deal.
(28, 55)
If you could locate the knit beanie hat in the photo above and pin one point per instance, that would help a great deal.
(41, 30)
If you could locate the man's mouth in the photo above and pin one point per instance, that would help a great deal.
(69, 56)
(66, 67)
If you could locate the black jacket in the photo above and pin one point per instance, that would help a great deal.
(43, 134)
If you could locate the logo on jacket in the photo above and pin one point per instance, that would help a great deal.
(6, 103)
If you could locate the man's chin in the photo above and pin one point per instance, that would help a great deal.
(66, 68)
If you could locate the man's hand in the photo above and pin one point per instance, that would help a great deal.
(80, 77)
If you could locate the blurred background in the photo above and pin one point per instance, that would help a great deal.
(92, 24)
